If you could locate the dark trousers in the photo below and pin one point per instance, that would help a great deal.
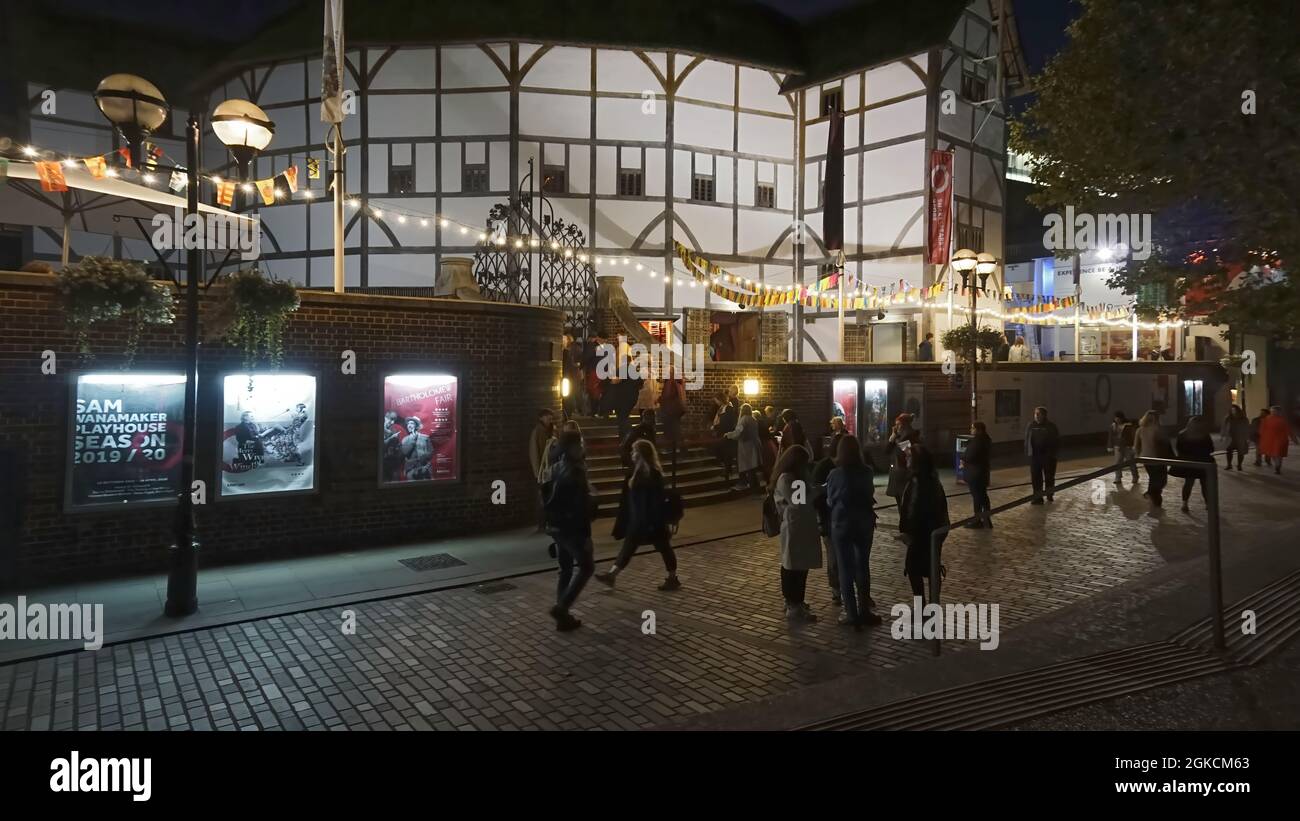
(1241, 455)
(1187, 488)
(979, 494)
(794, 585)
(624, 426)
(853, 555)
(571, 551)
(1042, 472)
(1157, 477)
(662, 544)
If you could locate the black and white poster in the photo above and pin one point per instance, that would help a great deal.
(126, 438)
(268, 438)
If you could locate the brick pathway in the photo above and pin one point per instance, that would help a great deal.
(462, 659)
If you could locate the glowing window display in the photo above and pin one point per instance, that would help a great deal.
(420, 437)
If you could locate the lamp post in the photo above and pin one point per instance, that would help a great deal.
(963, 262)
(131, 104)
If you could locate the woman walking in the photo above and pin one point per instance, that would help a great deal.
(749, 453)
(1153, 442)
(1236, 434)
(569, 512)
(851, 493)
(922, 510)
(646, 520)
(1194, 444)
(801, 548)
(1275, 435)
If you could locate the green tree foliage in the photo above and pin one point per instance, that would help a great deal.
(1184, 109)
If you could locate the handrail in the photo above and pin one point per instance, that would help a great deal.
(1210, 475)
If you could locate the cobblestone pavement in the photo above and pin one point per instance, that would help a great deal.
(469, 659)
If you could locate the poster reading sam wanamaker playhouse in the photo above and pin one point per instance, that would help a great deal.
(268, 437)
(126, 438)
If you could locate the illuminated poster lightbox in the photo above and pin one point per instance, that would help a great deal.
(844, 403)
(125, 443)
(268, 434)
(420, 433)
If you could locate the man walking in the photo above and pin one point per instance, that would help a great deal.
(1042, 442)
(1123, 434)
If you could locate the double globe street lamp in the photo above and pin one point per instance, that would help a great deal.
(137, 109)
(984, 264)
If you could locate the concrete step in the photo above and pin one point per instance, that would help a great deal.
(611, 468)
(612, 481)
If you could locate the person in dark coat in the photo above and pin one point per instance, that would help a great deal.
(1042, 444)
(902, 439)
(977, 468)
(647, 521)
(922, 510)
(645, 429)
(672, 406)
(820, 473)
(851, 495)
(724, 422)
(1194, 444)
(569, 511)
(626, 392)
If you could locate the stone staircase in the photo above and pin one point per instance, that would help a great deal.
(699, 475)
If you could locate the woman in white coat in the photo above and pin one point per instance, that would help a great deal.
(801, 544)
(749, 449)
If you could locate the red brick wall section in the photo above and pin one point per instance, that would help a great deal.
(507, 356)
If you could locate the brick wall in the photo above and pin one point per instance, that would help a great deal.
(507, 357)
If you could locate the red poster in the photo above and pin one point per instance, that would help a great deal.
(421, 419)
(940, 206)
(844, 403)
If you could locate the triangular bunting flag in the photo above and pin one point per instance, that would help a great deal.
(97, 166)
(267, 189)
(226, 193)
(51, 174)
(291, 178)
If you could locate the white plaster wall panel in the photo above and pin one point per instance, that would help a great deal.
(471, 211)
(990, 136)
(290, 128)
(655, 173)
(812, 182)
(619, 223)
(71, 104)
(852, 85)
(689, 296)
(606, 170)
(978, 37)
(710, 80)
(958, 124)
(887, 271)
(724, 180)
(451, 170)
(580, 170)
(377, 158)
(892, 80)
(553, 153)
(894, 169)
(896, 120)
(893, 224)
(624, 71)
(322, 227)
(322, 270)
(469, 67)
(475, 152)
(702, 126)
(560, 67)
(962, 173)
(554, 115)
(475, 114)
(745, 183)
(767, 136)
(825, 335)
(816, 135)
(759, 90)
(993, 234)
(851, 162)
(407, 68)
(286, 223)
(403, 269)
(710, 225)
(281, 84)
(681, 174)
(660, 61)
(850, 229)
(625, 119)
(400, 153)
(785, 187)
(851, 131)
(426, 166)
(526, 52)
(758, 230)
(393, 115)
(641, 290)
(986, 180)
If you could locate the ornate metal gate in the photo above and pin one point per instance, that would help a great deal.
(521, 241)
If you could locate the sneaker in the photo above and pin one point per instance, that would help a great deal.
(671, 583)
(792, 612)
(606, 579)
(1050, 498)
(806, 612)
(1036, 502)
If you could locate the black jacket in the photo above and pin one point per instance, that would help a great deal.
(643, 430)
(569, 505)
(976, 456)
(1042, 440)
(646, 520)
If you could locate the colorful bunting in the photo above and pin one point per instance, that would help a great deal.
(51, 174)
(97, 166)
(226, 193)
(313, 168)
(291, 178)
(267, 189)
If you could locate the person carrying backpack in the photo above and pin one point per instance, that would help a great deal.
(1123, 434)
(648, 516)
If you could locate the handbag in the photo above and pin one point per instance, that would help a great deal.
(771, 518)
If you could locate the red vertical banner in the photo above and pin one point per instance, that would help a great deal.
(940, 206)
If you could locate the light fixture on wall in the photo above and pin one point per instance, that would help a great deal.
(750, 387)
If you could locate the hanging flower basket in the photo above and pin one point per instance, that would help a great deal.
(97, 289)
(958, 341)
(253, 313)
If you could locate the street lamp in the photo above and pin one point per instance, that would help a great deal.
(134, 106)
(964, 262)
(245, 130)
